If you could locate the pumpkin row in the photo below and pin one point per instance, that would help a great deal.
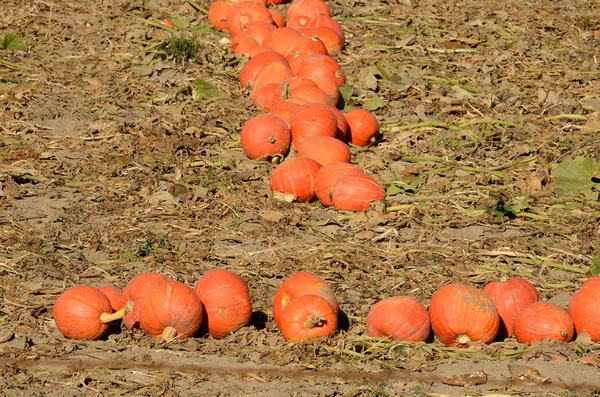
(292, 76)
(305, 307)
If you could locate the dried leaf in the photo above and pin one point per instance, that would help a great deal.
(471, 379)
(529, 377)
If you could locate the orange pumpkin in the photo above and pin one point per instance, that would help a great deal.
(280, 39)
(298, 284)
(583, 308)
(114, 295)
(242, 43)
(307, 317)
(294, 179)
(134, 294)
(539, 320)
(343, 129)
(321, 65)
(328, 176)
(284, 110)
(264, 137)
(328, 22)
(269, 96)
(171, 310)
(324, 149)
(217, 13)
(328, 87)
(312, 94)
(330, 38)
(308, 8)
(251, 68)
(312, 119)
(401, 318)
(226, 301)
(298, 22)
(84, 313)
(364, 127)
(356, 192)
(305, 45)
(259, 30)
(273, 73)
(509, 297)
(461, 314)
(278, 19)
(244, 13)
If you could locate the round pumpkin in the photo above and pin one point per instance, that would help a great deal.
(280, 39)
(274, 72)
(328, 176)
(321, 65)
(461, 314)
(299, 284)
(364, 127)
(217, 14)
(312, 94)
(226, 301)
(251, 68)
(401, 318)
(243, 13)
(284, 110)
(259, 30)
(330, 38)
(324, 149)
(84, 313)
(294, 179)
(134, 294)
(242, 43)
(539, 320)
(509, 297)
(308, 8)
(356, 192)
(171, 310)
(307, 317)
(312, 119)
(264, 137)
(583, 308)
(278, 19)
(114, 295)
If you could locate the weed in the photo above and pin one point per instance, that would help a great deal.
(182, 47)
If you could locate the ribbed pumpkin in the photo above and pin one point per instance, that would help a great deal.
(324, 149)
(307, 317)
(243, 13)
(84, 313)
(251, 68)
(294, 179)
(356, 192)
(305, 44)
(278, 19)
(330, 38)
(242, 43)
(539, 320)
(312, 94)
(312, 119)
(461, 314)
(269, 96)
(264, 137)
(299, 284)
(259, 30)
(364, 127)
(280, 39)
(226, 301)
(401, 318)
(309, 8)
(273, 73)
(328, 176)
(284, 110)
(328, 22)
(114, 295)
(583, 308)
(343, 130)
(134, 294)
(509, 297)
(171, 310)
(321, 65)
(328, 87)
(217, 13)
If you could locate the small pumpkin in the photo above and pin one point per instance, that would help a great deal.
(321, 65)
(259, 30)
(312, 94)
(294, 179)
(171, 310)
(84, 313)
(273, 73)
(308, 8)
(298, 284)
(461, 314)
(264, 137)
(114, 295)
(583, 308)
(278, 19)
(401, 318)
(251, 68)
(244, 13)
(539, 320)
(242, 43)
(509, 297)
(298, 22)
(356, 192)
(280, 39)
(343, 130)
(312, 119)
(226, 301)
(217, 13)
(304, 45)
(307, 317)
(330, 38)
(328, 22)
(364, 127)
(269, 95)
(324, 149)
(328, 176)
(328, 87)
(134, 294)
(284, 110)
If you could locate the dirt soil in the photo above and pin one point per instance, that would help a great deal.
(113, 162)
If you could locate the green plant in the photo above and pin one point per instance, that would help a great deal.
(182, 47)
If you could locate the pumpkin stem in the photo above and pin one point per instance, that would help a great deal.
(315, 321)
(119, 314)
(272, 139)
(463, 340)
(169, 333)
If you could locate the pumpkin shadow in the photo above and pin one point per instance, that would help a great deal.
(343, 321)
(259, 320)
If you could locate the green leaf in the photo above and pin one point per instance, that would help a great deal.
(575, 177)
(595, 267)
(14, 43)
(397, 188)
(181, 23)
(346, 92)
(374, 103)
(204, 90)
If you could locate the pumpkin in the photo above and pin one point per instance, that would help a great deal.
(298, 22)
(328, 176)
(321, 65)
(305, 45)
(297, 81)
(251, 68)
(294, 179)
(509, 297)
(298, 284)
(583, 308)
(242, 43)
(324, 149)
(280, 39)
(134, 294)
(269, 95)
(327, 22)
(259, 30)
(539, 320)
(308, 8)
(84, 313)
(284, 110)
(244, 13)
(264, 137)
(217, 14)
(278, 19)
(401, 318)
(274, 72)
(312, 119)
(171, 310)
(343, 130)
(257, 50)
(114, 295)
(355, 192)
(331, 39)
(226, 301)
(312, 94)
(328, 87)
(295, 59)
(461, 314)
(364, 127)
(307, 317)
